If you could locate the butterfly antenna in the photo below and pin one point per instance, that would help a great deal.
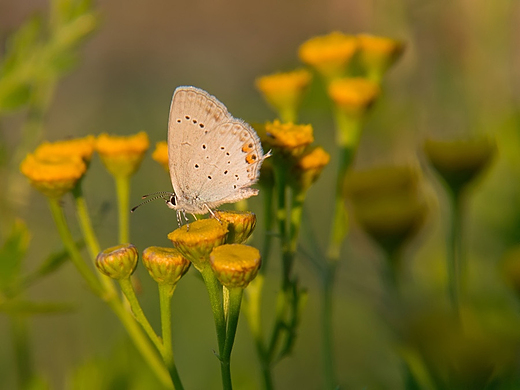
(158, 195)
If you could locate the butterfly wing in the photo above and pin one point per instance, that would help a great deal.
(193, 114)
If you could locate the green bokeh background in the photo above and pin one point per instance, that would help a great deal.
(459, 76)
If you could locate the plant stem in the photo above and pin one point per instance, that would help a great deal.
(454, 256)
(235, 300)
(75, 255)
(215, 297)
(327, 328)
(24, 362)
(268, 220)
(89, 234)
(128, 291)
(123, 201)
(165, 294)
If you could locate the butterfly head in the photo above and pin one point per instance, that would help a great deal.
(171, 201)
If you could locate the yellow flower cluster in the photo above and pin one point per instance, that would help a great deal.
(122, 156)
(82, 147)
(160, 154)
(353, 95)
(287, 138)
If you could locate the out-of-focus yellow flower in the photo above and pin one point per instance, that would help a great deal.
(160, 154)
(309, 167)
(118, 262)
(377, 54)
(353, 95)
(288, 138)
(235, 265)
(122, 155)
(240, 224)
(329, 54)
(165, 265)
(54, 176)
(284, 91)
(196, 240)
(82, 147)
(459, 162)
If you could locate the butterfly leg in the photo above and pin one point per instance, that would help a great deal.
(212, 213)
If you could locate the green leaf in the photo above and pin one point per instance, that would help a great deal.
(14, 96)
(12, 253)
(34, 308)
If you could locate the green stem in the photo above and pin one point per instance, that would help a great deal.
(23, 359)
(89, 234)
(327, 327)
(215, 297)
(128, 291)
(75, 255)
(123, 201)
(235, 300)
(267, 192)
(165, 294)
(288, 115)
(141, 342)
(454, 256)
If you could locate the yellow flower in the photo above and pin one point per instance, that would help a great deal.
(353, 95)
(196, 240)
(286, 137)
(82, 147)
(160, 154)
(329, 54)
(284, 91)
(122, 155)
(165, 265)
(377, 54)
(309, 167)
(235, 265)
(54, 176)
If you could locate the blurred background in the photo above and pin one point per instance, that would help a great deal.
(459, 76)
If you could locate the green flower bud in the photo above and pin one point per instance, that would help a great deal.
(118, 262)
(235, 265)
(165, 265)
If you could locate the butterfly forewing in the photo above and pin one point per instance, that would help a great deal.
(193, 113)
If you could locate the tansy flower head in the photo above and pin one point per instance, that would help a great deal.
(235, 265)
(196, 240)
(122, 155)
(308, 167)
(165, 265)
(54, 176)
(458, 162)
(329, 54)
(377, 54)
(288, 138)
(284, 91)
(240, 224)
(353, 95)
(160, 154)
(118, 262)
(82, 147)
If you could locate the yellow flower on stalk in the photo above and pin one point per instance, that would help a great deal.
(235, 265)
(82, 147)
(377, 54)
(122, 155)
(165, 265)
(196, 240)
(288, 138)
(240, 224)
(309, 167)
(284, 91)
(353, 95)
(54, 176)
(160, 154)
(329, 54)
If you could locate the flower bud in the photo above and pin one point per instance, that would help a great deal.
(160, 154)
(196, 240)
(377, 54)
(165, 265)
(287, 138)
(240, 224)
(353, 95)
(329, 54)
(235, 265)
(54, 176)
(122, 156)
(308, 168)
(118, 262)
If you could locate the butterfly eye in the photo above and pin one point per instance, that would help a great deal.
(172, 200)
